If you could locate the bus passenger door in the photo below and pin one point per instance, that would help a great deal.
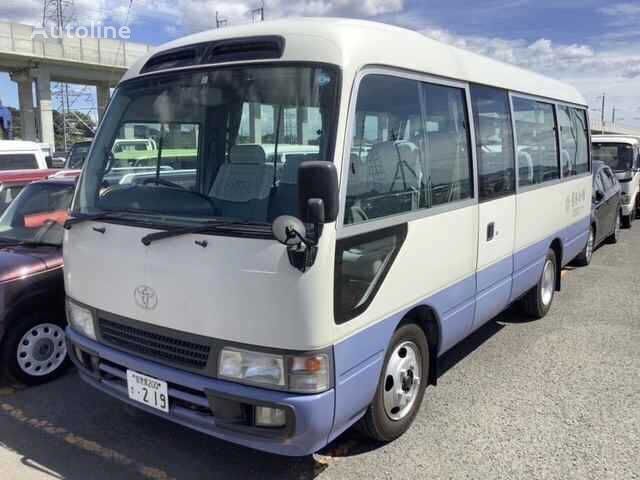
(497, 210)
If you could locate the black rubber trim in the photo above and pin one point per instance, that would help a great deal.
(221, 51)
(399, 231)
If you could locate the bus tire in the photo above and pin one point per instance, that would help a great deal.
(626, 221)
(401, 387)
(537, 302)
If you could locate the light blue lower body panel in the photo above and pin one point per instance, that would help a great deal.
(460, 309)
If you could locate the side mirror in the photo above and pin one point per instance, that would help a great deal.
(288, 230)
(599, 195)
(318, 192)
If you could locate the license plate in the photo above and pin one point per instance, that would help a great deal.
(148, 391)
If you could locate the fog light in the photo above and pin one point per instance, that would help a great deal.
(270, 417)
(79, 355)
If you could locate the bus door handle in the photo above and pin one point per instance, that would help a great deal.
(491, 231)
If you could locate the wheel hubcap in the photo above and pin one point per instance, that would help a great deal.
(589, 250)
(41, 350)
(548, 282)
(402, 380)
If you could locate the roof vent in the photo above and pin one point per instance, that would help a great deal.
(233, 50)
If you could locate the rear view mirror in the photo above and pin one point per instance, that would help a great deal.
(318, 192)
(288, 230)
(599, 195)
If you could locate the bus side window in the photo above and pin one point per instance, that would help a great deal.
(410, 148)
(494, 142)
(536, 142)
(568, 141)
(579, 121)
(386, 169)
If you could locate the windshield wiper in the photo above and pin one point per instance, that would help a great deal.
(34, 243)
(88, 218)
(201, 228)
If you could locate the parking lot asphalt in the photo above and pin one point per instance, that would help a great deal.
(555, 398)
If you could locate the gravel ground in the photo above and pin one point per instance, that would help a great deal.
(556, 398)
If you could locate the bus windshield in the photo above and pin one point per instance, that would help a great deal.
(618, 156)
(222, 143)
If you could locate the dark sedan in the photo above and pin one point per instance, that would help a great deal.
(606, 211)
(32, 312)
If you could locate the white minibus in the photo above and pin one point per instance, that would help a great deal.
(276, 307)
(622, 154)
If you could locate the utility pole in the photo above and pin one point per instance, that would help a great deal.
(602, 112)
(613, 117)
(220, 21)
(57, 14)
(259, 12)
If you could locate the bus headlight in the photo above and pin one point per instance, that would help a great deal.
(296, 373)
(252, 367)
(81, 319)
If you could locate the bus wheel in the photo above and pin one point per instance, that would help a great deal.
(537, 302)
(35, 351)
(401, 386)
(626, 221)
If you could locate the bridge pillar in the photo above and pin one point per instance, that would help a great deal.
(43, 83)
(102, 95)
(25, 100)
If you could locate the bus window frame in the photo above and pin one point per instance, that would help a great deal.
(349, 230)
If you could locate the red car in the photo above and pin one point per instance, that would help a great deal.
(32, 316)
(13, 181)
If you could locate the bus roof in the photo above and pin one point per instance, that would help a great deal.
(354, 44)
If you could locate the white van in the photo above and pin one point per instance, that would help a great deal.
(21, 155)
(622, 154)
(276, 311)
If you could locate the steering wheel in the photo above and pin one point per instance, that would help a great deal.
(170, 184)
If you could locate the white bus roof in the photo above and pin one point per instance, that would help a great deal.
(354, 44)
(616, 139)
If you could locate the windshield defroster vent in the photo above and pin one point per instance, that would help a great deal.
(232, 50)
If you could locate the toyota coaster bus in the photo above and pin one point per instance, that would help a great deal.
(274, 302)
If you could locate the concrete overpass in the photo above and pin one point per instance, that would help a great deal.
(33, 58)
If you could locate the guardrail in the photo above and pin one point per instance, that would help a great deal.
(20, 39)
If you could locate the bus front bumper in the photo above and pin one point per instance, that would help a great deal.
(215, 407)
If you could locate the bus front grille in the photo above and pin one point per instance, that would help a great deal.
(164, 348)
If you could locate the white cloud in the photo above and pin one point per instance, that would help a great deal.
(590, 70)
(195, 15)
(621, 9)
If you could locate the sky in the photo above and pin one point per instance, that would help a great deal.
(592, 44)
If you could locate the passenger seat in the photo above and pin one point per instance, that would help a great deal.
(243, 185)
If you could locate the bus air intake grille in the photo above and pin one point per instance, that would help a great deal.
(161, 347)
